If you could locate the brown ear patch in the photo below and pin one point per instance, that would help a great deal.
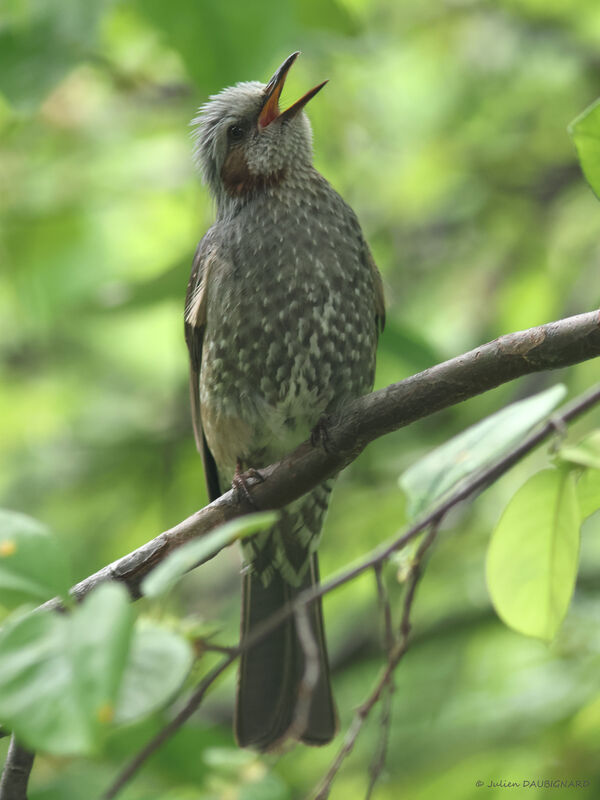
(237, 178)
(235, 172)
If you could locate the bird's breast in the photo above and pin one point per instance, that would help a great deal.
(289, 336)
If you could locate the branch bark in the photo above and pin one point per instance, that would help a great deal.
(552, 346)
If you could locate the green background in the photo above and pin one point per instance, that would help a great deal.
(444, 126)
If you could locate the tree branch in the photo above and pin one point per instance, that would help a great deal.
(372, 560)
(552, 346)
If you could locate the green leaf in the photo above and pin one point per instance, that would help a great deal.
(60, 673)
(100, 639)
(588, 492)
(32, 563)
(586, 453)
(440, 471)
(158, 664)
(189, 555)
(532, 557)
(585, 130)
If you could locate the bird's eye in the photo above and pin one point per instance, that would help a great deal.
(236, 132)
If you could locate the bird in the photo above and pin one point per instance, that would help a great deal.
(283, 312)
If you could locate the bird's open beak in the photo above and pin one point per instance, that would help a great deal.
(270, 110)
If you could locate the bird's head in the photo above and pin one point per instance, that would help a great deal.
(244, 142)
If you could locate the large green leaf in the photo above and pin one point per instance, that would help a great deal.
(440, 471)
(585, 130)
(186, 557)
(588, 492)
(533, 554)
(60, 674)
(32, 564)
(158, 664)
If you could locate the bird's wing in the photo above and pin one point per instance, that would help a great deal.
(378, 285)
(195, 321)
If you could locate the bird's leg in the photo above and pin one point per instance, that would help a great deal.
(239, 484)
(319, 436)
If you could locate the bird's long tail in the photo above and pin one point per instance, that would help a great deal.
(271, 672)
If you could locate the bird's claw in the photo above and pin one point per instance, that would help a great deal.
(239, 484)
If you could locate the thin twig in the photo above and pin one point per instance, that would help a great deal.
(378, 556)
(323, 789)
(385, 607)
(15, 776)
(204, 646)
(378, 762)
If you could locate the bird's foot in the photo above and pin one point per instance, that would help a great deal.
(239, 484)
(319, 436)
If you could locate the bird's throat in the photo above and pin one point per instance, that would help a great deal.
(239, 181)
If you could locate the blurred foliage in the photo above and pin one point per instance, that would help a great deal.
(445, 126)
